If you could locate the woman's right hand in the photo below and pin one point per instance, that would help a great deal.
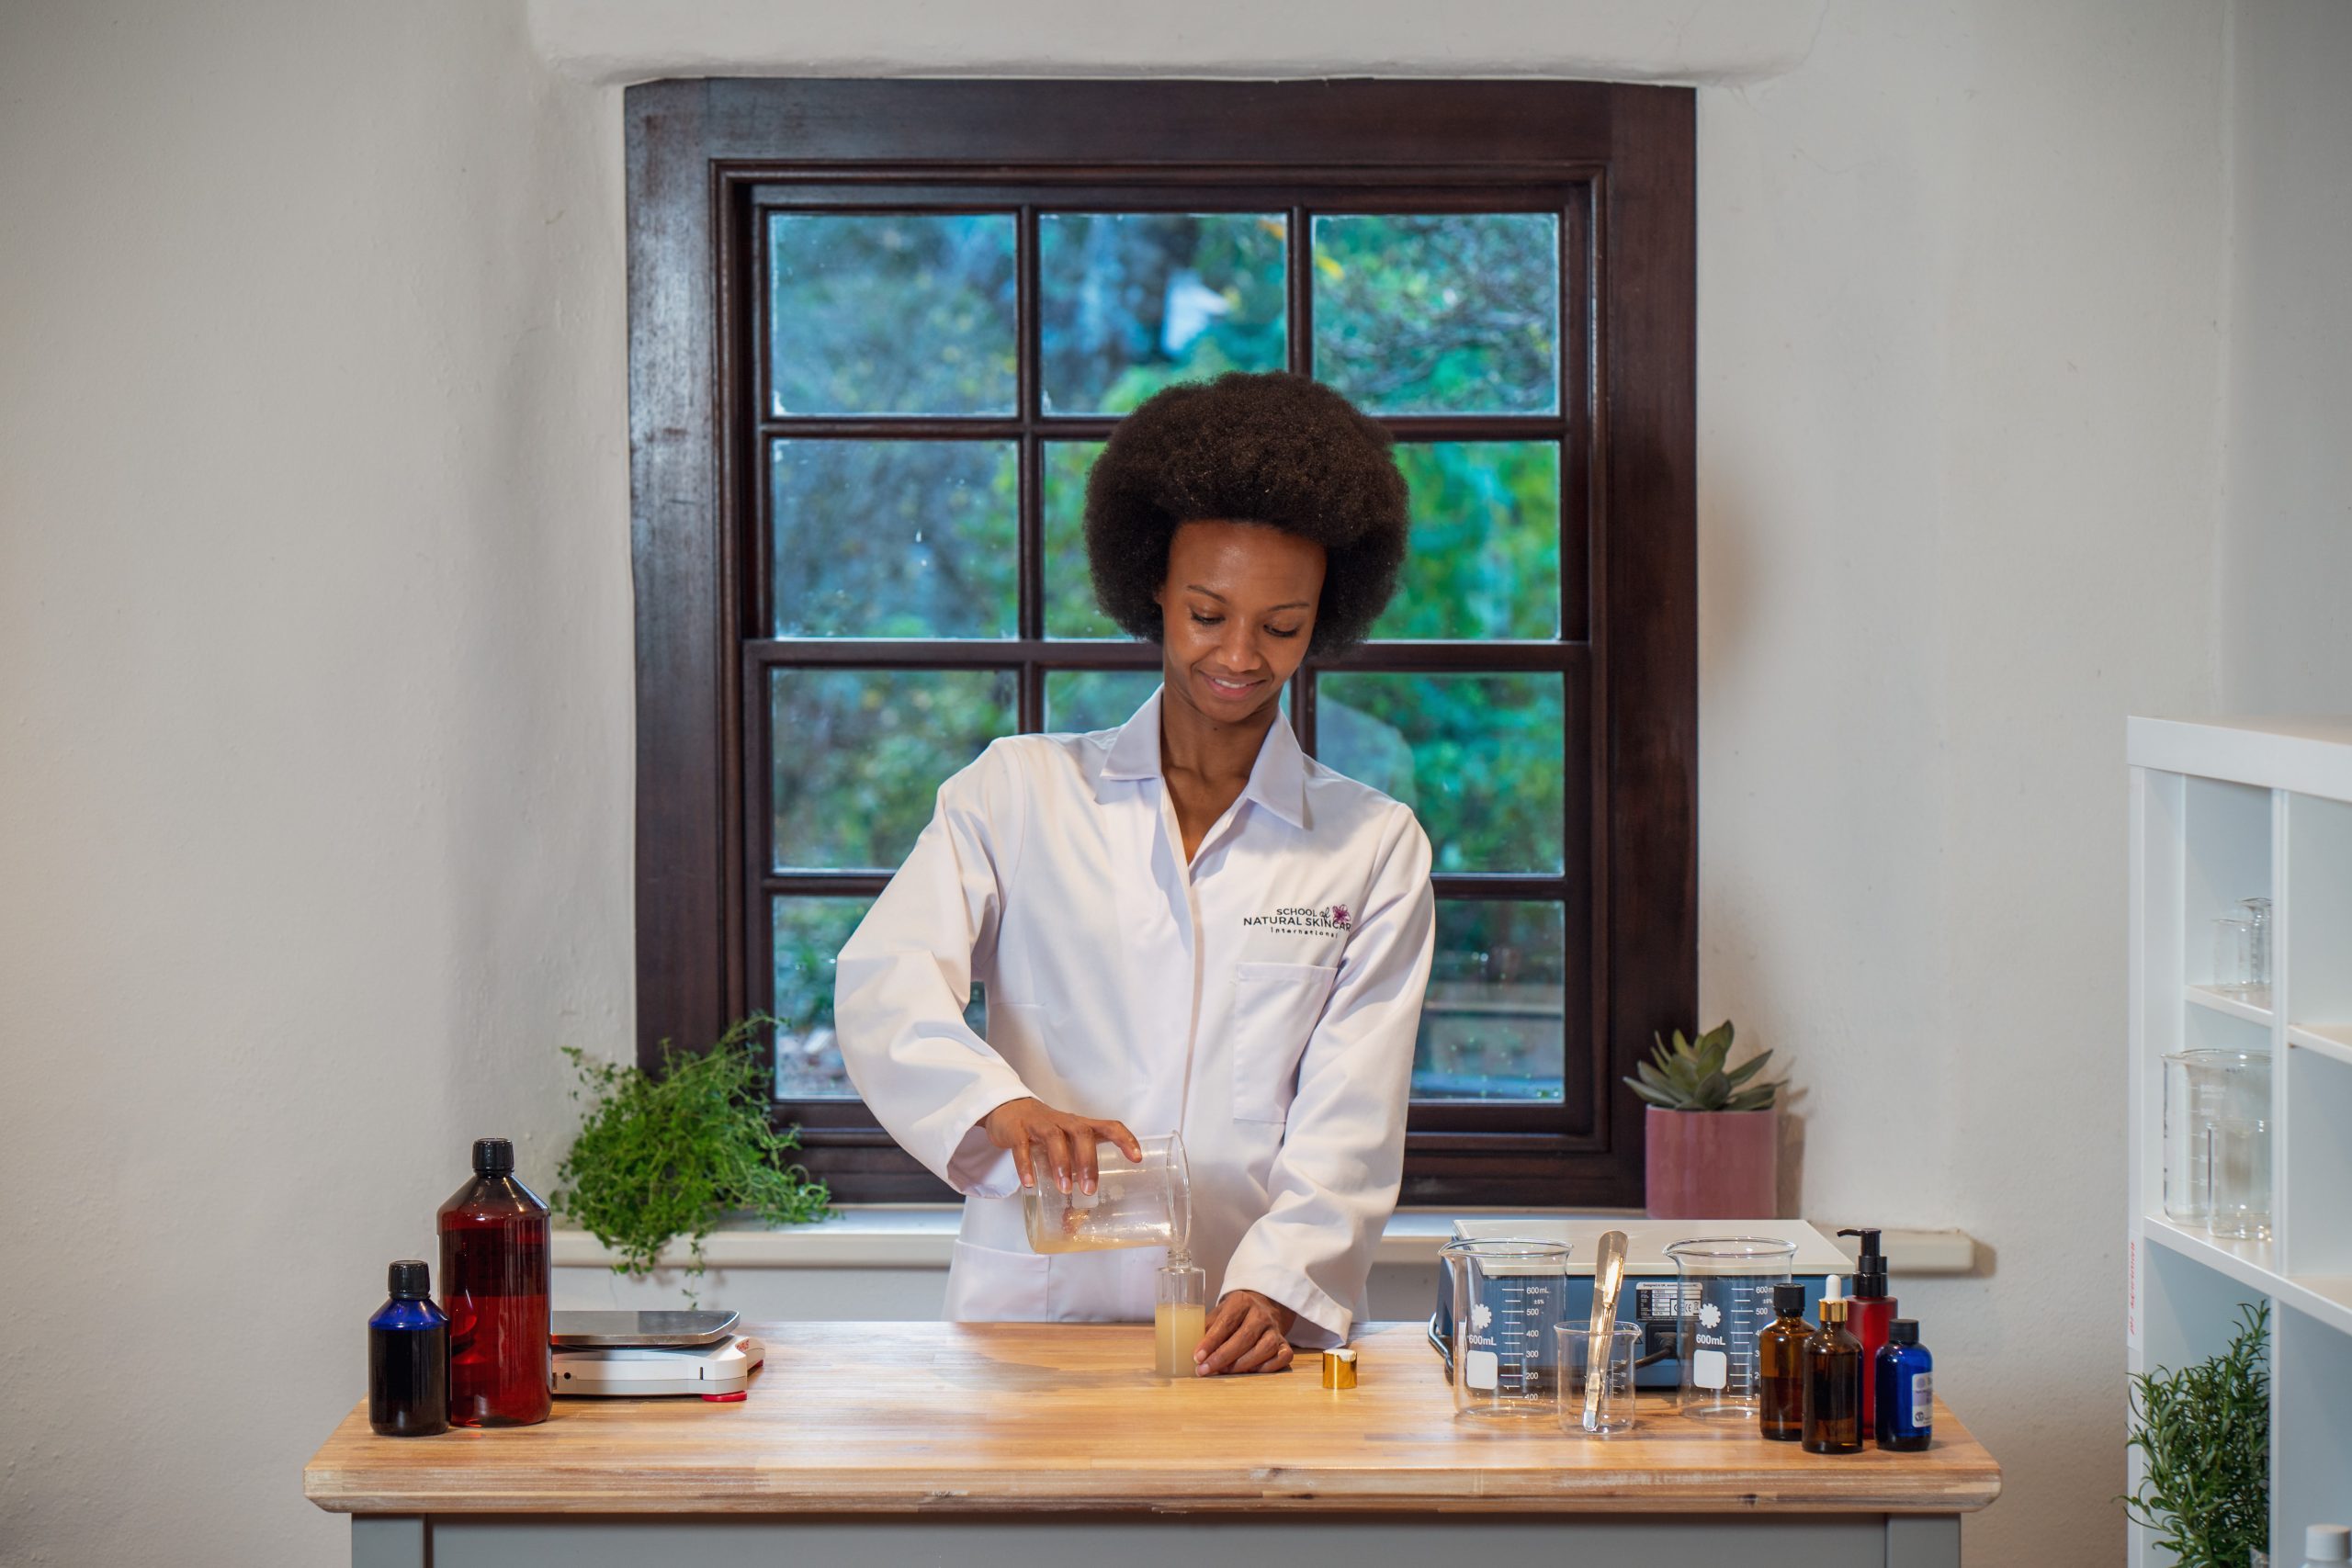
(1058, 1141)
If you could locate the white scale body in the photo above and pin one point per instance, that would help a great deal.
(634, 1372)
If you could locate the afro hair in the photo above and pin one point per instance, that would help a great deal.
(1275, 449)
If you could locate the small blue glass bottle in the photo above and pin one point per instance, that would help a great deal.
(1905, 1389)
(408, 1359)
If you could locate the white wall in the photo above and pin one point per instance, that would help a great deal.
(315, 647)
(314, 715)
(2286, 639)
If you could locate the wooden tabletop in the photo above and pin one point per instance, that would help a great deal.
(897, 1418)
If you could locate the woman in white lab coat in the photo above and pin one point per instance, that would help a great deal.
(1181, 924)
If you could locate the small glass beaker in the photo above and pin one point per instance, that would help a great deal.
(1725, 1285)
(2193, 1104)
(1145, 1204)
(1614, 1406)
(2242, 1180)
(1179, 1317)
(1507, 1298)
(2257, 958)
(2233, 955)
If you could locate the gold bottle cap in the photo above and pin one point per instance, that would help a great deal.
(1340, 1368)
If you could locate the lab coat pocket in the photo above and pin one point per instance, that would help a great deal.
(987, 1284)
(1275, 1008)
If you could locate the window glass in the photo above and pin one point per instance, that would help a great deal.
(1494, 1023)
(1485, 558)
(1080, 700)
(895, 538)
(1070, 610)
(1439, 313)
(902, 313)
(809, 933)
(1477, 758)
(1132, 301)
(859, 754)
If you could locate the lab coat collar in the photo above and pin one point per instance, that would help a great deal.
(1277, 781)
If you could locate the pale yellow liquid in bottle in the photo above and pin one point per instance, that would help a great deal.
(1176, 1329)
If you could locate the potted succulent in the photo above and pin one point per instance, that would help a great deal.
(1712, 1133)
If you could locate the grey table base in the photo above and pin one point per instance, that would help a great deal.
(1150, 1540)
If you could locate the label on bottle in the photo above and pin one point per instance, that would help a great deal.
(1923, 1399)
(1710, 1369)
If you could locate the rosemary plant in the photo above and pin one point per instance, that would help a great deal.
(2204, 1435)
(669, 1155)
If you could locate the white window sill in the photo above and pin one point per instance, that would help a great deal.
(919, 1236)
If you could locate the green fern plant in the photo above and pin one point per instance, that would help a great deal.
(661, 1156)
(1690, 1076)
(2203, 1433)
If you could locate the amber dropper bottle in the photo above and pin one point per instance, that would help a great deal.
(1832, 1364)
(1781, 1405)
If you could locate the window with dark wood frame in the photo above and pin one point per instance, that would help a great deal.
(715, 165)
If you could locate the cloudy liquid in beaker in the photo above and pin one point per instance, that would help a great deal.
(1176, 1329)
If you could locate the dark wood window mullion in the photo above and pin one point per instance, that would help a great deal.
(1029, 350)
(1298, 301)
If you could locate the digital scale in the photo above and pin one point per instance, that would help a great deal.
(635, 1355)
(1654, 1295)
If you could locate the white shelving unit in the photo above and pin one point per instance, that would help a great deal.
(2220, 811)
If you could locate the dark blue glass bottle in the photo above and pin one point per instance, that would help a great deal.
(1905, 1391)
(408, 1359)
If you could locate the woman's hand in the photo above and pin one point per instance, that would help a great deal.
(1063, 1143)
(1247, 1332)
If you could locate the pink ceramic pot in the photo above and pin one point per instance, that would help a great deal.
(1712, 1165)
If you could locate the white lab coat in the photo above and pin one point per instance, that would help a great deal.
(1263, 1005)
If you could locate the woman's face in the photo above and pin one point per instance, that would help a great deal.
(1235, 614)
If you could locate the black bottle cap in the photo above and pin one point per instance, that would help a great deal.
(410, 1281)
(1788, 1300)
(1870, 1268)
(493, 1156)
(1903, 1331)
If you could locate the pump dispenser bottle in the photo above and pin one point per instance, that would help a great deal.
(1832, 1365)
(1779, 1405)
(495, 1282)
(1869, 1312)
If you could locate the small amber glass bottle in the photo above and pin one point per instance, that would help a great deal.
(1781, 1403)
(1832, 1363)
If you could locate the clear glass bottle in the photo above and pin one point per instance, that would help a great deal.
(1779, 1409)
(494, 1281)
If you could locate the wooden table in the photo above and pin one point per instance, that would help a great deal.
(1028, 1444)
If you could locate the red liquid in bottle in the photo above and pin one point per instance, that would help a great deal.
(494, 1286)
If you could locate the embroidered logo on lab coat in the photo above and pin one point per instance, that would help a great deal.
(1306, 922)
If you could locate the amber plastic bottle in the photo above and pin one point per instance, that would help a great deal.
(494, 1284)
(1780, 1405)
(1832, 1363)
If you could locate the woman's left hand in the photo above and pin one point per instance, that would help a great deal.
(1247, 1332)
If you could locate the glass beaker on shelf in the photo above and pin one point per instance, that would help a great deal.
(2234, 956)
(2193, 1104)
(1133, 1204)
(1507, 1298)
(2238, 1141)
(2257, 955)
(1725, 1301)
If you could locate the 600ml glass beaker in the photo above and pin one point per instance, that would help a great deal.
(2193, 1104)
(1146, 1204)
(1507, 1298)
(1726, 1300)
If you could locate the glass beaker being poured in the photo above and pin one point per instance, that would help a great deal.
(1135, 1203)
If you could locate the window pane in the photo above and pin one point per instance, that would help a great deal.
(1070, 610)
(1477, 757)
(1439, 313)
(896, 314)
(1484, 558)
(1494, 1026)
(859, 754)
(1080, 700)
(809, 937)
(895, 538)
(1131, 302)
